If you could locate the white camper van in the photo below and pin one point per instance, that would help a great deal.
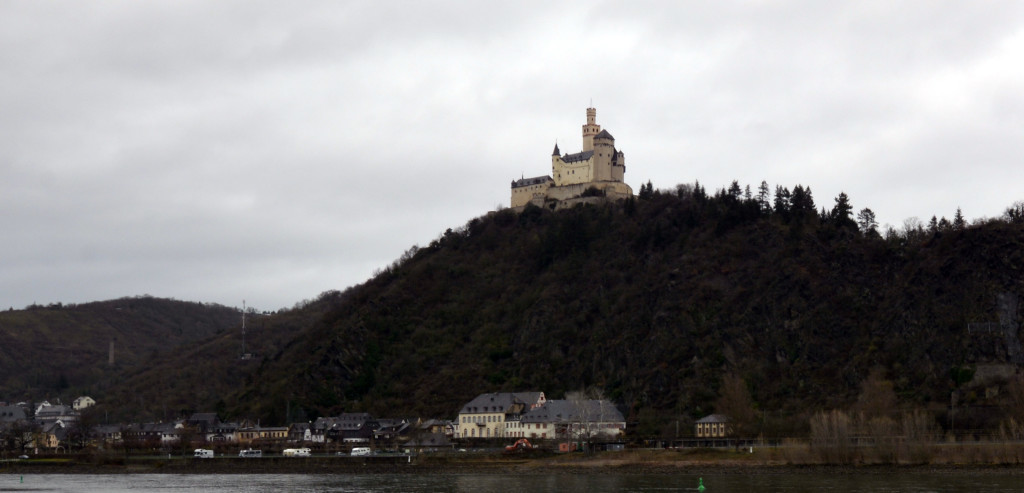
(296, 452)
(203, 453)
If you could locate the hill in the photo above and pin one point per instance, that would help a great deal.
(202, 375)
(654, 301)
(64, 350)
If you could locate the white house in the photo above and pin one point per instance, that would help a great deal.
(82, 403)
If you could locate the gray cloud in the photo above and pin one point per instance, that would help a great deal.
(268, 152)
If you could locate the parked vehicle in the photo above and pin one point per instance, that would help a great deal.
(521, 445)
(296, 452)
(250, 453)
(203, 453)
(357, 451)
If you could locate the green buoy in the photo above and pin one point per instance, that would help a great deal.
(700, 484)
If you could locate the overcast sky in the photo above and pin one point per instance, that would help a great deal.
(218, 151)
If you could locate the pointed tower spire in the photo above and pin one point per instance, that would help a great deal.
(556, 152)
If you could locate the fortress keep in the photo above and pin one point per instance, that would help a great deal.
(593, 174)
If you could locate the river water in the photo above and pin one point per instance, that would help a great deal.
(985, 481)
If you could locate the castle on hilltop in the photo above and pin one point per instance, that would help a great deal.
(594, 174)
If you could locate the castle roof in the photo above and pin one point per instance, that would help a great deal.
(579, 156)
(604, 135)
(525, 182)
(556, 152)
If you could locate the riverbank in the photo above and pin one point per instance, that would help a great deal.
(627, 462)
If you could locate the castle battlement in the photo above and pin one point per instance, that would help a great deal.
(599, 166)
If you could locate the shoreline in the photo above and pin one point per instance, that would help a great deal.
(445, 465)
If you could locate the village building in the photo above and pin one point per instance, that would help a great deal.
(570, 419)
(12, 414)
(249, 435)
(489, 415)
(344, 428)
(391, 431)
(712, 426)
(83, 402)
(49, 413)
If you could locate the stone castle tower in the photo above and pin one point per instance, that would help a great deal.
(597, 171)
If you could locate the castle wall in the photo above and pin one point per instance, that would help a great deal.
(618, 173)
(523, 195)
(567, 197)
(572, 173)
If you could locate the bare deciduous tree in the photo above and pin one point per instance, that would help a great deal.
(735, 403)
(877, 397)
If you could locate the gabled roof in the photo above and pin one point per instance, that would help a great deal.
(525, 182)
(345, 421)
(714, 418)
(55, 412)
(604, 135)
(58, 409)
(431, 422)
(579, 156)
(501, 402)
(561, 411)
(11, 413)
(391, 422)
(206, 417)
(103, 430)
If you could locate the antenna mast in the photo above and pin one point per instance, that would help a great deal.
(243, 328)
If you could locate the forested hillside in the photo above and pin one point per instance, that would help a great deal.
(654, 301)
(49, 351)
(665, 303)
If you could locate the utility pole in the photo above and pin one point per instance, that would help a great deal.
(243, 329)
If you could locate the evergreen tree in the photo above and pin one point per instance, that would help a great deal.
(747, 196)
(958, 221)
(801, 202)
(762, 197)
(698, 192)
(866, 221)
(842, 213)
(782, 199)
(646, 190)
(734, 190)
(933, 225)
